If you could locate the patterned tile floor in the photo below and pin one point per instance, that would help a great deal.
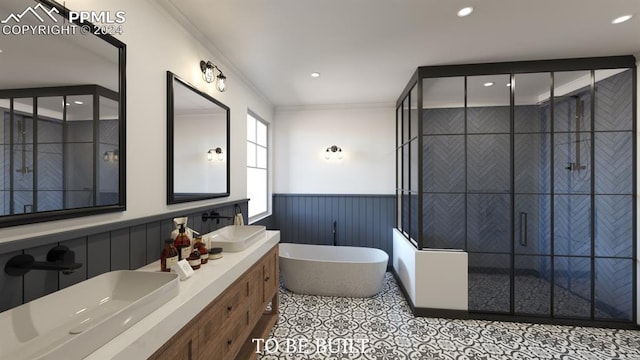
(383, 328)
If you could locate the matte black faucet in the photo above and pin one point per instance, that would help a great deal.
(215, 215)
(60, 258)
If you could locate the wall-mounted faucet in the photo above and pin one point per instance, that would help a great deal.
(215, 215)
(60, 258)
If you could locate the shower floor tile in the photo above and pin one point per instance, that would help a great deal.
(383, 328)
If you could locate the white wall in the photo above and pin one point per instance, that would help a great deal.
(404, 263)
(433, 279)
(366, 135)
(157, 43)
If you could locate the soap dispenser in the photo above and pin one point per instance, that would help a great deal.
(182, 243)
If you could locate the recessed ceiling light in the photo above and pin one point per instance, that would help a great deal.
(621, 19)
(487, 84)
(465, 11)
(315, 74)
(78, 102)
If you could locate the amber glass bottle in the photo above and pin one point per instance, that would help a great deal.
(202, 249)
(183, 244)
(169, 256)
(194, 260)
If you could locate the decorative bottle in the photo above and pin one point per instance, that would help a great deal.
(169, 256)
(183, 244)
(194, 260)
(202, 249)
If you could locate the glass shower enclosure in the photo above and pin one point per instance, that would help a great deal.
(530, 167)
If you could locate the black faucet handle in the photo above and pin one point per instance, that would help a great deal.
(61, 254)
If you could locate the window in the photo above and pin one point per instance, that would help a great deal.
(257, 166)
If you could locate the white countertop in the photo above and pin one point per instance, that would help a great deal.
(146, 336)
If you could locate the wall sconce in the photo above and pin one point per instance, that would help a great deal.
(111, 155)
(209, 75)
(335, 151)
(217, 151)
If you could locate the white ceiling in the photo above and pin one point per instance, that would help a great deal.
(366, 50)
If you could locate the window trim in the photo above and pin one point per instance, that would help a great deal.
(268, 211)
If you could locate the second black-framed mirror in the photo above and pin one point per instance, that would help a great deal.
(198, 139)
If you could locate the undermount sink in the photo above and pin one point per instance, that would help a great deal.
(235, 238)
(75, 321)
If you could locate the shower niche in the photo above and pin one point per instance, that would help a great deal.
(530, 168)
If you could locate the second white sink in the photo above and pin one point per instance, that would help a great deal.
(235, 238)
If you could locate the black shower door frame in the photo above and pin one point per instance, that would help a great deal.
(512, 69)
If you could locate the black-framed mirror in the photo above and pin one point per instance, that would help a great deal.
(198, 138)
(62, 105)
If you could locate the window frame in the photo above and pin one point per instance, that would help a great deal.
(259, 119)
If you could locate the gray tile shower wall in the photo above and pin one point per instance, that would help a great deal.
(360, 220)
(127, 245)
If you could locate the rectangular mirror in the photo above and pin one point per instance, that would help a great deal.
(197, 144)
(62, 105)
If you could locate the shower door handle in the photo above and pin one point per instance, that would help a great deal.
(523, 228)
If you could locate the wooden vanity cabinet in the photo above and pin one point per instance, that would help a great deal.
(246, 310)
(183, 345)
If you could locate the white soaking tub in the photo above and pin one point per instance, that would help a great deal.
(332, 270)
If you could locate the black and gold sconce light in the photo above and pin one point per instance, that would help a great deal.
(333, 151)
(217, 151)
(208, 74)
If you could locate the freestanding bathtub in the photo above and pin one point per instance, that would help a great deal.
(332, 270)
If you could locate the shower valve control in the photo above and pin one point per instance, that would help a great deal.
(575, 166)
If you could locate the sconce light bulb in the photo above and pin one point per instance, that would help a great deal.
(221, 82)
(116, 155)
(339, 154)
(220, 153)
(207, 71)
(105, 157)
(327, 154)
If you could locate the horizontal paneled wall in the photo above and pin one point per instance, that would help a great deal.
(360, 220)
(129, 246)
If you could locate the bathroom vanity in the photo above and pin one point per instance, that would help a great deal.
(227, 325)
(218, 310)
